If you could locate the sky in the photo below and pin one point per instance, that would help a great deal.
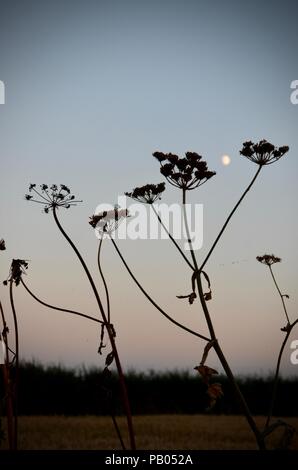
(92, 88)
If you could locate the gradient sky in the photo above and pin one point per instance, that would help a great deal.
(92, 89)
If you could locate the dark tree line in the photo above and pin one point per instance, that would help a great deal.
(58, 390)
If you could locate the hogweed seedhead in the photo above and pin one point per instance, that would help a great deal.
(185, 173)
(107, 222)
(17, 269)
(263, 152)
(51, 197)
(268, 259)
(147, 194)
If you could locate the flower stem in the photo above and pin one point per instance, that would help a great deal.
(16, 378)
(229, 218)
(205, 309)
(110, 333)
(103, 279)
(4, 335)
(275, 382)
(217, 348)
(58, 308)
(280, 294)
(171, 237)
(7, 384)
(152, 301)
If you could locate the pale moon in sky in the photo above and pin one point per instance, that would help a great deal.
(225, 160)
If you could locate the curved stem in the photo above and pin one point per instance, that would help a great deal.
(58, 308)
(103, 280)
(171, 237)
(152, 301)
(110, 333)
(229, 373)
(217, 348)
(16, 379)
(229, 218)
(280, 294)
(275, 382)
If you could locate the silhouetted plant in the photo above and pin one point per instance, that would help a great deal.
(11, 365)
(184, 173)
(148, 193)
(188, 173)
(53, 198)
(7, 381)
(269, 260)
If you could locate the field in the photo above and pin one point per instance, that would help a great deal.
(154, 432)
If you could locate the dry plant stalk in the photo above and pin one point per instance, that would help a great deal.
(53, 198)
(188, 173)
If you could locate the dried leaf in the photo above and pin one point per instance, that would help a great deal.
(109, 359)
(206, 372)
(215, 391)
(191, 297)
(208, 296)
(207, 348)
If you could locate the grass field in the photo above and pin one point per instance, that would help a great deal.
(152, 432)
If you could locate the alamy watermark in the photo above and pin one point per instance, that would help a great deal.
(294, 354)
(2, 92)
(138, 221)
(294, 94)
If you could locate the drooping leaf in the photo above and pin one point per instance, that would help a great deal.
(208, 296)
(109, 359)
(206, 372)
(207, 348)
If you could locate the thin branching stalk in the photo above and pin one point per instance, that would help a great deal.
(84, 316)
(60, 309)
(103, 280)
(171, 237)
(4, 335)
(109, 330)
(116, 426)
(280, 294)
(275, 382)
(152, 301)
(217, 348)
(194, 260)
(118, 432)
(229, 218)
(16, 378)
(7, 384)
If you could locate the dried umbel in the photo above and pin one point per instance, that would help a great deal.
(107, 222)
(148, 193)
(268, 259)
(51, 197)
(186, 173)
(2, 245)
(263, 152)
(17, 269)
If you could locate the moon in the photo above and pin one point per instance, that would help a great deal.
(226, 160)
